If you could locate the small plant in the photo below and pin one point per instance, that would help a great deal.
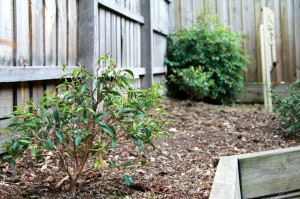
(192, 82)
(213, 47)
(86, 119)
(288, 109)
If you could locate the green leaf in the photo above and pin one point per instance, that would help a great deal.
(109, 130)
(129, 72)
(59, 135)
(24, 142)
(96, 83)
(56, 115)
(13, 124)
(83, 88)
(111, 164)
(33, 152)
(98, 116)
(96, 165)
(77, 140)
(114, 93)
(128, 180)
(144, 162)
(128, 165)
(29, 124)
(113, 144)
(125, 80)
(49, 144)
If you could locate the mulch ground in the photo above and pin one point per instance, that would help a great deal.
(182, 166)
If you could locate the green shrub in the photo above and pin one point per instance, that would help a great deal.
(192, 82)
(86, 119)
(288, 109)
(213, 47)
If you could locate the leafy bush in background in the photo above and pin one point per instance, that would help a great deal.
(86, 119)
(192, 81)
(216, 50)
(288, 109)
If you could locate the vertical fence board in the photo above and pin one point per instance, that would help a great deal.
(102, 31)
(119, 40)
(235, 15)
(37, 48)
(22, 50)
(72, 32)
(108, 33)
(249, 37)
(287, 39)
(37, 35)
(6, 100)
(113, 36)
(297, 36)
(177, 13)
(131, 44)
(50, 32)
(123, 42)
(211, 5)
(127, 45)
(197, 6)
(62, 32)
(222, 11)
(7, 43)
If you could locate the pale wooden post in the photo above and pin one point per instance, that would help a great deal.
(268, 54)
(88, 34)
(147, 42)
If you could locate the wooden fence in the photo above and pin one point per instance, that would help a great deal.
(245, 16)
(37, 36)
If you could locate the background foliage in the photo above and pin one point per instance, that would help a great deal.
(288, 109)
(216, 50)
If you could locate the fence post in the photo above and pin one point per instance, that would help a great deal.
(88, 34)
(147, 42)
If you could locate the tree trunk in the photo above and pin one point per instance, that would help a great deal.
(73, 183)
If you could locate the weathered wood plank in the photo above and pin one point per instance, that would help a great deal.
(113, 36)
(62, 32)
(108, 33)
(37, 35)
(249, 38)
(177, 15)
(88, 40)
(119, 42)
(72, 33)
(50, 32)
(270, 172)
(122, 10)
(37, 91)
(288, 36)
(6, 100)
(102, 31)
(297, 36)
(235, 18)
(226, 181)
(131, 45)
(22, 33)
(222, 11)
(7, 43)
(32, 73)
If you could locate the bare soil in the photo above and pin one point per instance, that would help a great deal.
(182, 166)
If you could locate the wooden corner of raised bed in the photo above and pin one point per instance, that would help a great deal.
(268, 174)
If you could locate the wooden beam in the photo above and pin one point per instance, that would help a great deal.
(33, 73)
(270, 172)
(226, 182)
(112, 5)
(147, 42)
(88, 48)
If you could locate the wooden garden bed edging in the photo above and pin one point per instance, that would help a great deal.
(268, 174)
